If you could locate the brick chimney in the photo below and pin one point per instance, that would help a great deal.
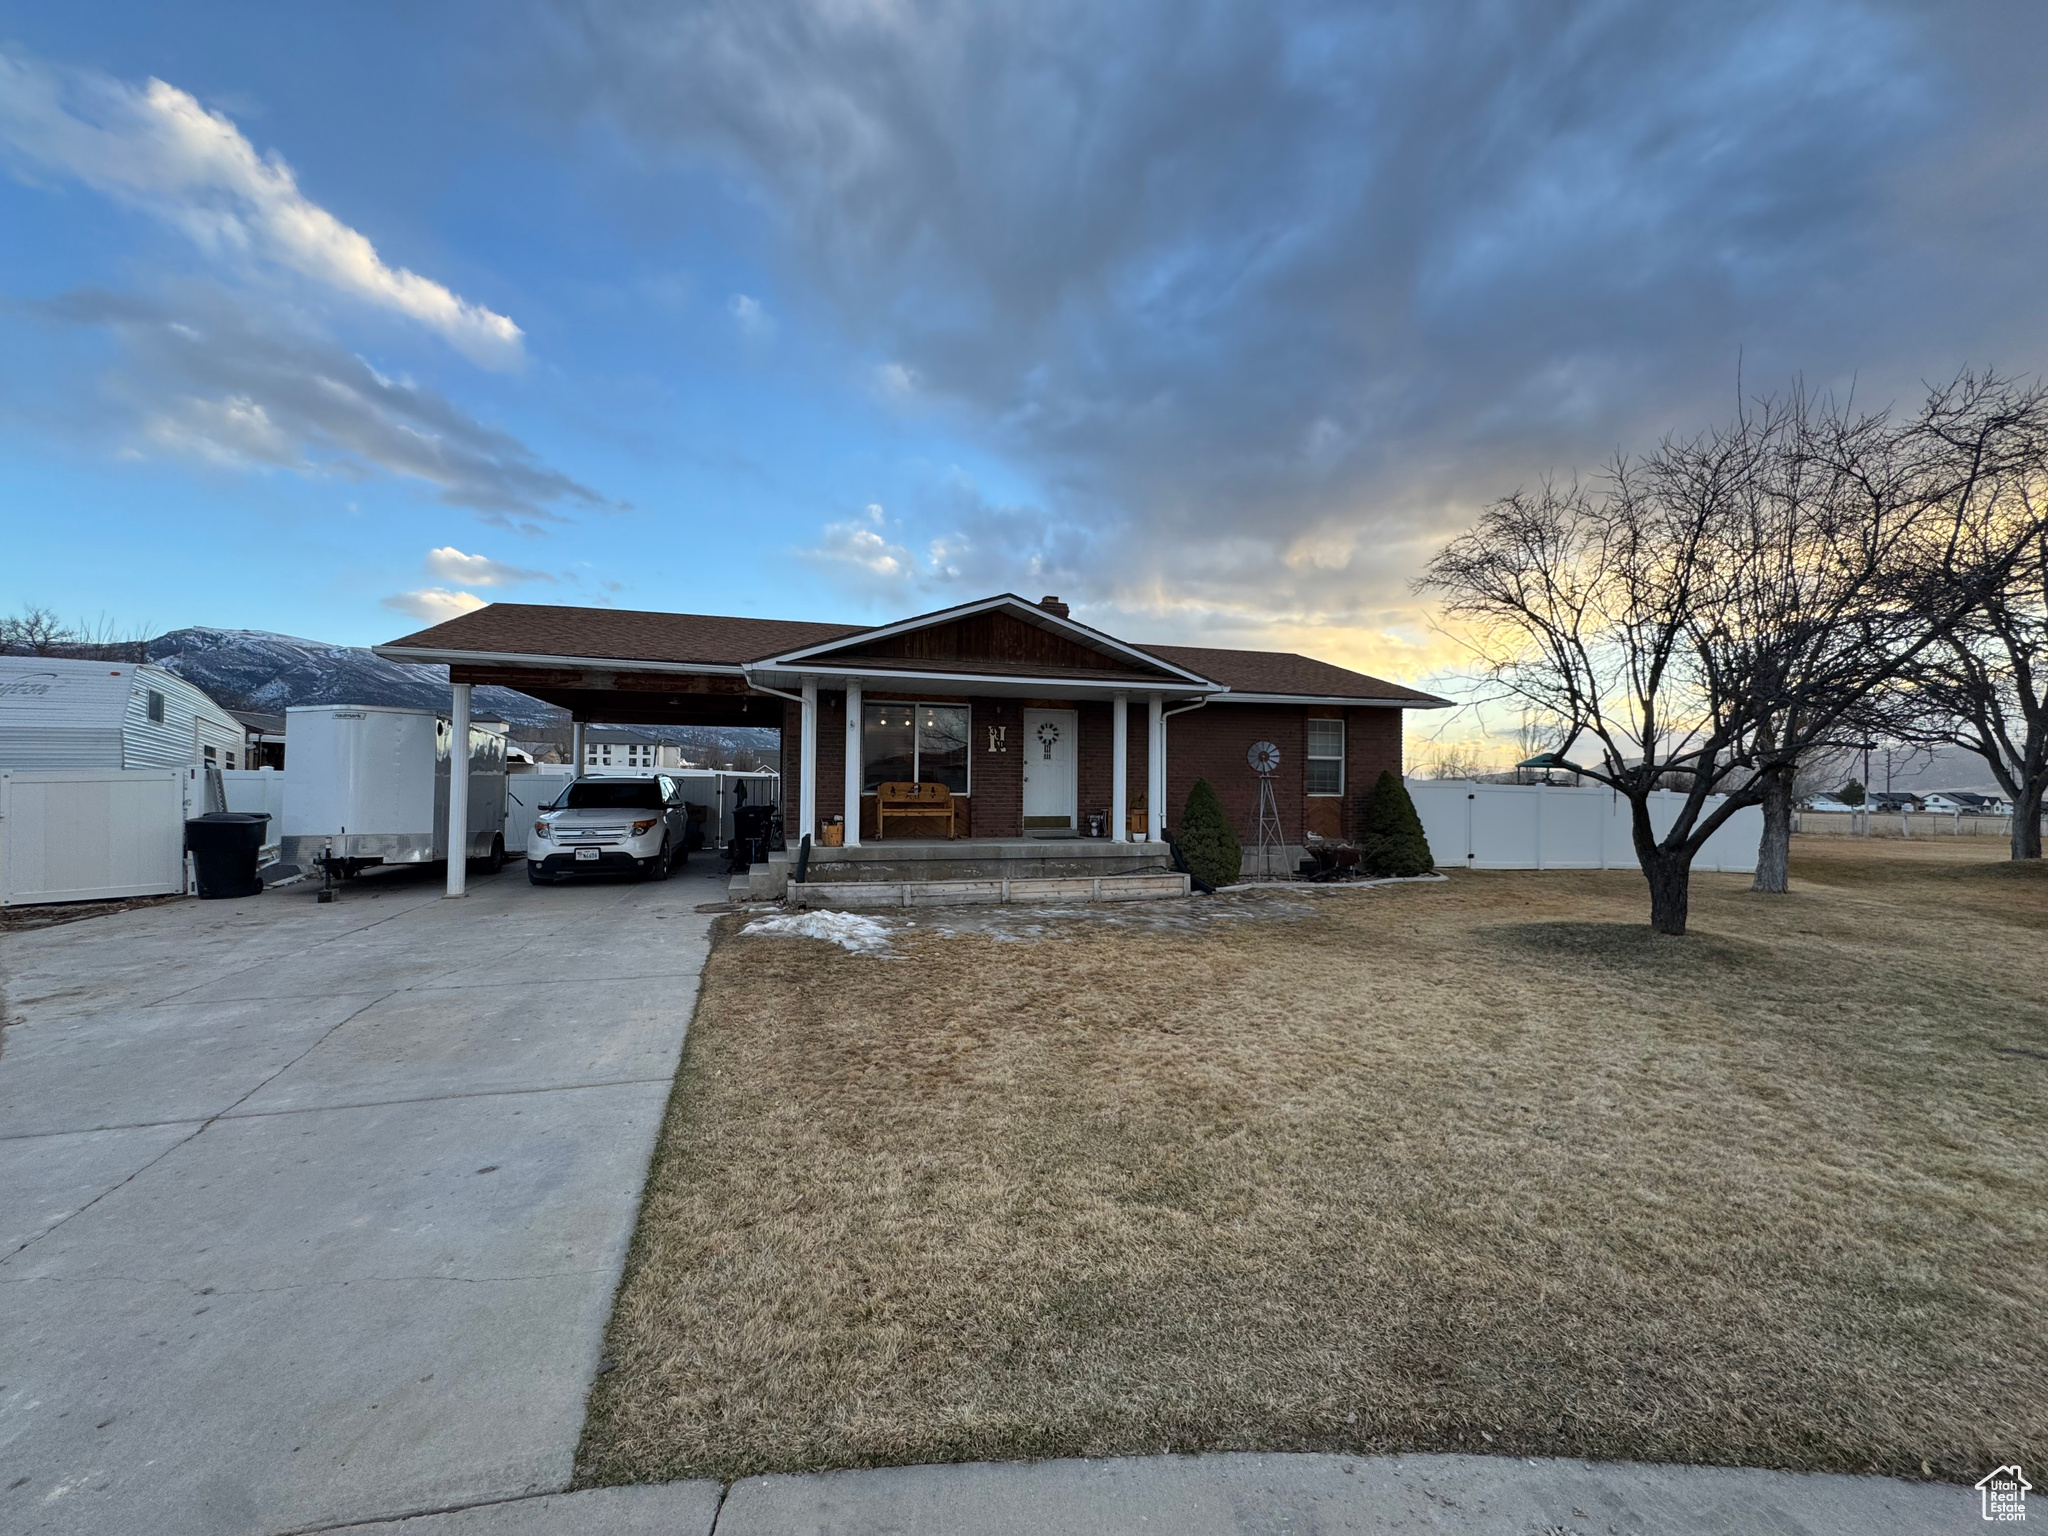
(1053, 605)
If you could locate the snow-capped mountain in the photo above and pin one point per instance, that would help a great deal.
(255, 670)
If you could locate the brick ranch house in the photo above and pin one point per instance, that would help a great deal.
(1015, 706)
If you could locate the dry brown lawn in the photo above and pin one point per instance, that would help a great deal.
(1476, 1165)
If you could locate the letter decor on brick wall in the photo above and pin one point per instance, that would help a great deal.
(999, 738)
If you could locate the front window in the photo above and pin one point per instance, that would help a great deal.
(1326, 757)
(914, 743)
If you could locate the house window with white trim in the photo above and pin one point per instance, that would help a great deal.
(1325, 757)
(914, 743)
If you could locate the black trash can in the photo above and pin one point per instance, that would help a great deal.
(225, 846)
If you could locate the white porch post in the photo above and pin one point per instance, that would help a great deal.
(1155, 788)
(458, 794)
(853, 765)
(1119, 769)
(807, 767)
(576, 750)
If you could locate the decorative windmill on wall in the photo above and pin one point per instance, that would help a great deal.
(1265, 760)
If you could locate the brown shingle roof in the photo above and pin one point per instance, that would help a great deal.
(622, 634)
(1283, 672)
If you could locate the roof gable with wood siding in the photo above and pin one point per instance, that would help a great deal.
(993, 641)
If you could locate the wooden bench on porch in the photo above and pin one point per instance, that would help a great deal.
(917, 800)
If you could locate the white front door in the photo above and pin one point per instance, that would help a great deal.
(1049, 767)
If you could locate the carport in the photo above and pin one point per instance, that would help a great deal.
(608, 666)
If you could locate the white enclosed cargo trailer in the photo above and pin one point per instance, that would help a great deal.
(368, 784)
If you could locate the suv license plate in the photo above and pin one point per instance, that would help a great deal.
(586, 853)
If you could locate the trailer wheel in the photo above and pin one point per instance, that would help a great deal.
(496, 861)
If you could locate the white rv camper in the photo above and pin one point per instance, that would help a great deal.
(56, 713)
(368, 784)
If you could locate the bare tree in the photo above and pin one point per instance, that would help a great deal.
(105, 640)
(1458, 762)
(35, 631)
(1985, 687)
(1714, 613)
(1535, 735)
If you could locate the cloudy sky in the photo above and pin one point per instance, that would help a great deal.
(1212, 318)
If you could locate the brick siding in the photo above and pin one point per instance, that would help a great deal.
(1205, 743)
(1211, 744)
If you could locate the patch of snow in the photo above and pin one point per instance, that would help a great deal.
(849, 930)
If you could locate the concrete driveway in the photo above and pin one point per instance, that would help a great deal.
(313, 1214)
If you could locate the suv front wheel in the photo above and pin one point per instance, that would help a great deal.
(658, 870)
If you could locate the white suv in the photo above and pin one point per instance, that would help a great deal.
(609, 826)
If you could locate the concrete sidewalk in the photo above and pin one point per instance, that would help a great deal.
(1241, 1495)
(313, 1214)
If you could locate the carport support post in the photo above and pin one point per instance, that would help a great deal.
(1155, 762)
(576, 750)
(458, 793)
(807, 765)
(1120, 768)
(853, 765)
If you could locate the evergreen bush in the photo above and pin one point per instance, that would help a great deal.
(1205, 838)
(1390, 836)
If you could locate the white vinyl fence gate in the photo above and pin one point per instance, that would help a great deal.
(87, 834)
(1553, 826)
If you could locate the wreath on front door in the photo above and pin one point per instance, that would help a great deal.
(1048, 735)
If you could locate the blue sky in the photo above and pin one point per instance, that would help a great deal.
(1214, 319)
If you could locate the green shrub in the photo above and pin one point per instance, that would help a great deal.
(1390, 836)
(1205, 838)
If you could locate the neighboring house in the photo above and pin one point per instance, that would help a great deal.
(262, 738)
(1829, 803)
(619, 748)
(1886, 801)
(1014, 706)
(539, 751)
(58, 713)
(1966, 802)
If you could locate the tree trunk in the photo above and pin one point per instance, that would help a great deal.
(1774, 848)
(1670, 877)
(2026, 822)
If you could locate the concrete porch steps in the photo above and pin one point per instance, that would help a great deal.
(1065, 868)
(841, 894)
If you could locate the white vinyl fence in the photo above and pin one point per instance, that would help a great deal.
(525, 794)
(90, 834)
(1551, 826)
